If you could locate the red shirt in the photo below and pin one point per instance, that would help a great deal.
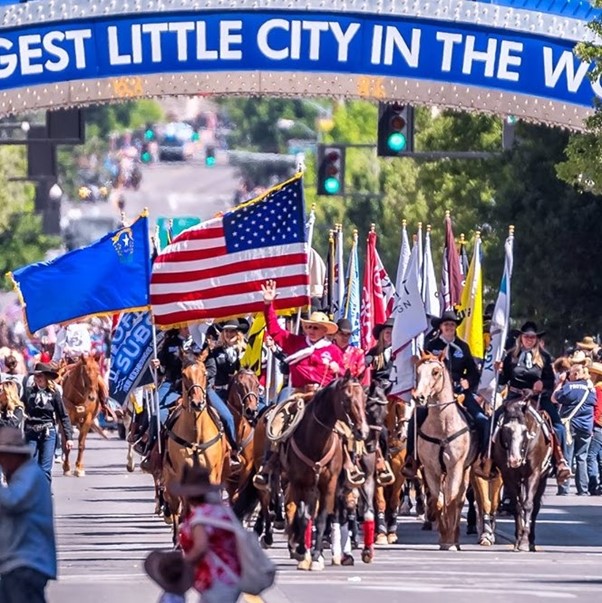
(354, 359)
(311, 370)
(598, 407)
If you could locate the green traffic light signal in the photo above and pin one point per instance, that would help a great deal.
(396, 142)
(146, 157)
(149, 135)
(195, 137)
(210, 161)
(332, 186)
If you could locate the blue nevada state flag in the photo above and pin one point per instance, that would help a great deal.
(108, 276)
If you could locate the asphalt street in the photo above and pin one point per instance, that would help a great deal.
(105, 527)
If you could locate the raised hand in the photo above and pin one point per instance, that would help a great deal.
(269, 291)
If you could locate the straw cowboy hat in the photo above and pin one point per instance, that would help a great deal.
(578, 357)
(194, 482)
(42, 368)
(170, 571)
(447, 316)
(13, 442)
(596, 368)
(378, 329)
(320, 319)
(587, 343)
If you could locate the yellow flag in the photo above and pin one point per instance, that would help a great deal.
(252, 357)
(471, 305)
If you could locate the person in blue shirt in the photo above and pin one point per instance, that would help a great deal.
(27, 541)
(577, 399)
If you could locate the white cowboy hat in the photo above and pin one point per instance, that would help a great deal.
(12, 442)
(320, 319)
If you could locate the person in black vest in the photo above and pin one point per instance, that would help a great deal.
(380, 358)
(465, 378)
(44, 409)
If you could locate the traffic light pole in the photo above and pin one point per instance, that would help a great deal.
(429, 155)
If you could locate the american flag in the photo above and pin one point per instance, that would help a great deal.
(215, 270)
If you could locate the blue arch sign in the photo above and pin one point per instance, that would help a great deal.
(471, 55)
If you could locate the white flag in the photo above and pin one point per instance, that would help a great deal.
(387, 285)
(430, 293)
(404, 257)
(499, 328)
(338, 293)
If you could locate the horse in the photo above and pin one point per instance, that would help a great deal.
(445, 447)
(388, 498)
(243, 401)
(313, 458)
(193, 430)
(83, 394)
(522, 450)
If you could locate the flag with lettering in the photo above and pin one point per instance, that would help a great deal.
(499, 327)
(216, 269)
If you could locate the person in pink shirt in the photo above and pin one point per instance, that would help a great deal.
(354, 358)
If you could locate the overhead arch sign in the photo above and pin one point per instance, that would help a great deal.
(468, 55)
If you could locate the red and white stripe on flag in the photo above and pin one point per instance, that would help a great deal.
(215, 270)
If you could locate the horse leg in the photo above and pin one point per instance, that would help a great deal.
(527, 509)
(83, 434)
(536, 507)
(454, 490)
(130, 464)
(303, 523)
(317, 558)
(471, 515)
(380, 505)
(66, 464)
(267, 539)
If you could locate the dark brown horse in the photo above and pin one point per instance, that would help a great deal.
(313, 459)
(83, 393)
(522, 450)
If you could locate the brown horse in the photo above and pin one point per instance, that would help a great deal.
(445, 448)
(243, 401)
(313, 459)
(388, 498)
(193, 431)
(522, 449)
(83, 394)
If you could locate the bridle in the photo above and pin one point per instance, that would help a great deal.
(438, 378)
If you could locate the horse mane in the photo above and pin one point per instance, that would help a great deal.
(514, 411)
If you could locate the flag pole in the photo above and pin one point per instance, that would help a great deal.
(310, 236)
(155, 375)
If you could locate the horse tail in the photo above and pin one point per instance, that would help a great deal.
(246, 498)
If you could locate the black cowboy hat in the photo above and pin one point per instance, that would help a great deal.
(170, 571)
(447, 316)
(378, 329)
(42, 368)
(345, 326)
(233, 323)
(530, 328)
(194, 482)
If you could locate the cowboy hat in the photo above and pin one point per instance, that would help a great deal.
(16, 379)
(233, 323)
(578, 357)
(344, 326)
(194, 482)
(530, 328)
(447, 316)
(378, 329)
(320, 319)
(12, 442)
(42, 368)
(587, 343)
(170, 571)
(596, 368)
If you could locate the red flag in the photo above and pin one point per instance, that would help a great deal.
(374, 308)
(451, 282)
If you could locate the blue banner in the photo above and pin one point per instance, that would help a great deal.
(131, 351)
(466, 54)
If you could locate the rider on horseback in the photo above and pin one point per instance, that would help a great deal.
(313, 359)
(465, 377)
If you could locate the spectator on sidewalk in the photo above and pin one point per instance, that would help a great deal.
(27, 542)
(594, 454)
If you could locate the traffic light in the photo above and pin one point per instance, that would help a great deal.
(149, 133)
(508, 132)
(395, 129)
(210, 156)
(145, 154)
(331, 170)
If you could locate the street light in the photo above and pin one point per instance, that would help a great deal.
(289, 124)
(55, 192)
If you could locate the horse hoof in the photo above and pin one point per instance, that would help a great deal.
(427, 526)
(381, 539)
(420, 510)
(298, 556)
(449, 547)
(79, 473)
(487, 540)
(305, 564)
(264, 543)
(67, 472)
(130, 468)
(532, 548)
(318, 565)
(279, 525)
(391, 538)
(336, 560)
(470, 530)
(367, 555)
(168, 519)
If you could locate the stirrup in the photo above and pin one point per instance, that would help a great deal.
(384, 476)
(261, 480)
(354, 477)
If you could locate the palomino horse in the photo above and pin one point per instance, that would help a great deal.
(193, 431)
(83, 393)
(388, 498)
(313, 459)
(243, 401)
(522, 450)
(445, 448)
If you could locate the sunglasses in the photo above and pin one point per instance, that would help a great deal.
(313, 328)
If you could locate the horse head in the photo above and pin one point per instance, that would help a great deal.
(399, 413)
(243, 394)
(194, 383)
(432, 379)
(352, 409)
(514, 435)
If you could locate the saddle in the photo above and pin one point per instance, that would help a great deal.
(282, 420)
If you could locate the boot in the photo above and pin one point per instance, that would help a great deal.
(410, 468)
(262, 479)
(563, 469)
(484, 467)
